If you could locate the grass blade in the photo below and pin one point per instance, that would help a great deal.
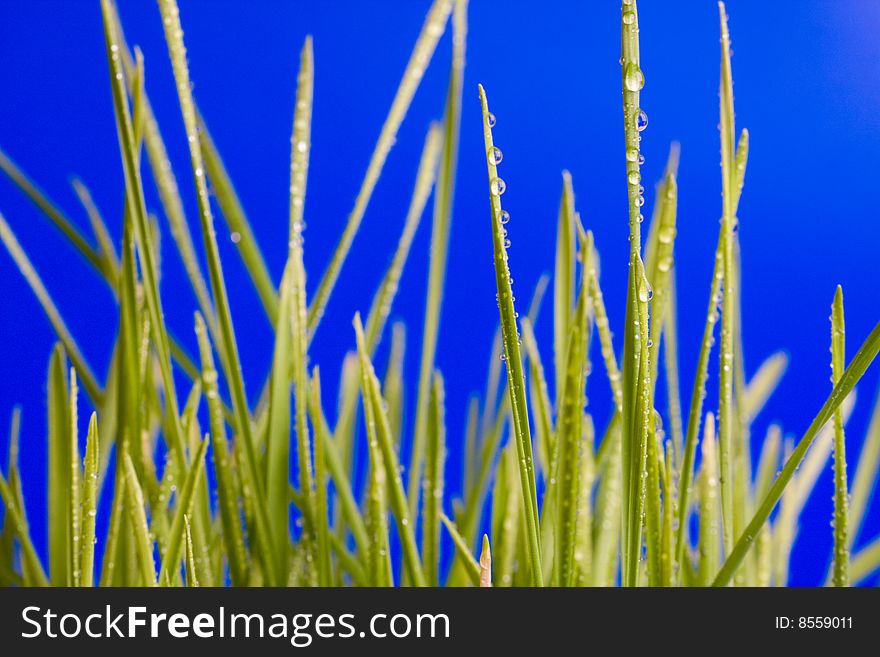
(563, 282)
(863, 358)
(74, 501)
(866, 474)
(865, 562)
(192, 579)
(840, 566)
(710, 508)
(381, 434)
(321, 522)
(763, 384)
(471, 567)
(16, 518)
(442, 220)
(60, 555)
(90, 504)
(177, 52)
(424, 48)
(512, 357)
(140, 529)
(485, 564)
(435, 460)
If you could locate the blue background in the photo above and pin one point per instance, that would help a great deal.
(806, 88)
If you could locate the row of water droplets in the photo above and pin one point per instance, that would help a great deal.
(634, 81)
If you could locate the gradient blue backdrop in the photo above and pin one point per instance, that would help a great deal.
(806, 88)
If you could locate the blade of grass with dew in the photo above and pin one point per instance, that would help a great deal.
(233, 536)
(48, 305)
(435, 460)
(278, 433)
(768, 462)
(239, 226)
(136, 206)
(299, 166)
(432, 30)
(138, 522)
(192, 579)
(74, 500)
(512, 357)
(321, 520)
(471, 567)
(597, 302)
(854, 371)
(667, 567)
(607, 516)
(90, 504)
(171, 561)
(60, 556)
(840, 562)
(166, 185)
(710, 508)
(372, 396)
(583, 547)
(177, 52)
(866, 474)
(563, 283)
(728, 318)
(569, 433)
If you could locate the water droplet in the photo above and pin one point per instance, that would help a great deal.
(498, 186)
(235, 236)
(641, 159)
(629, 18)
(491, 119)
(633, 78)
(640, 200)
(504, 217)
(495, 155)
(632, 155)
(634, 177)
(641, 120)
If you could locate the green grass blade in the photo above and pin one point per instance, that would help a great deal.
(603, 329)
(671, 369)
(74, 502)
(563, 283)
(440, 227)
(228, 507)
(99, 227)
(60, 556)
(143, 543)
(710, 508)
(228, 345)
(866, 474)
(192, 579)
(569, 433)
(239, 226)
(432, 30)
(863, 358)
(393, 386)
(381, 306)
(59, 326)
(512, 357)
(435, 459)
(840, 566)
(321, 521)
(90, 504)
(539, 398)
(16, 518)
(728, 319)
(607, 515)
(171, 561)
(278, 434)
(471, 567)
(381, 435)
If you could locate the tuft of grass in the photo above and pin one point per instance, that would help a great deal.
(616, 502)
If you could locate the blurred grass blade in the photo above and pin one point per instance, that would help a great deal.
(105, 242)
(140, 530)
(381, 305)
(440, 227)
(841, 497)
(60, 327)
(710, 509)
(16, 518)
(865, 562)
(471, 567)
(512, 357)
(435, 460)
(432, 30)
(563, 283)
(866, 475)
(763, 384)
(860, 362)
